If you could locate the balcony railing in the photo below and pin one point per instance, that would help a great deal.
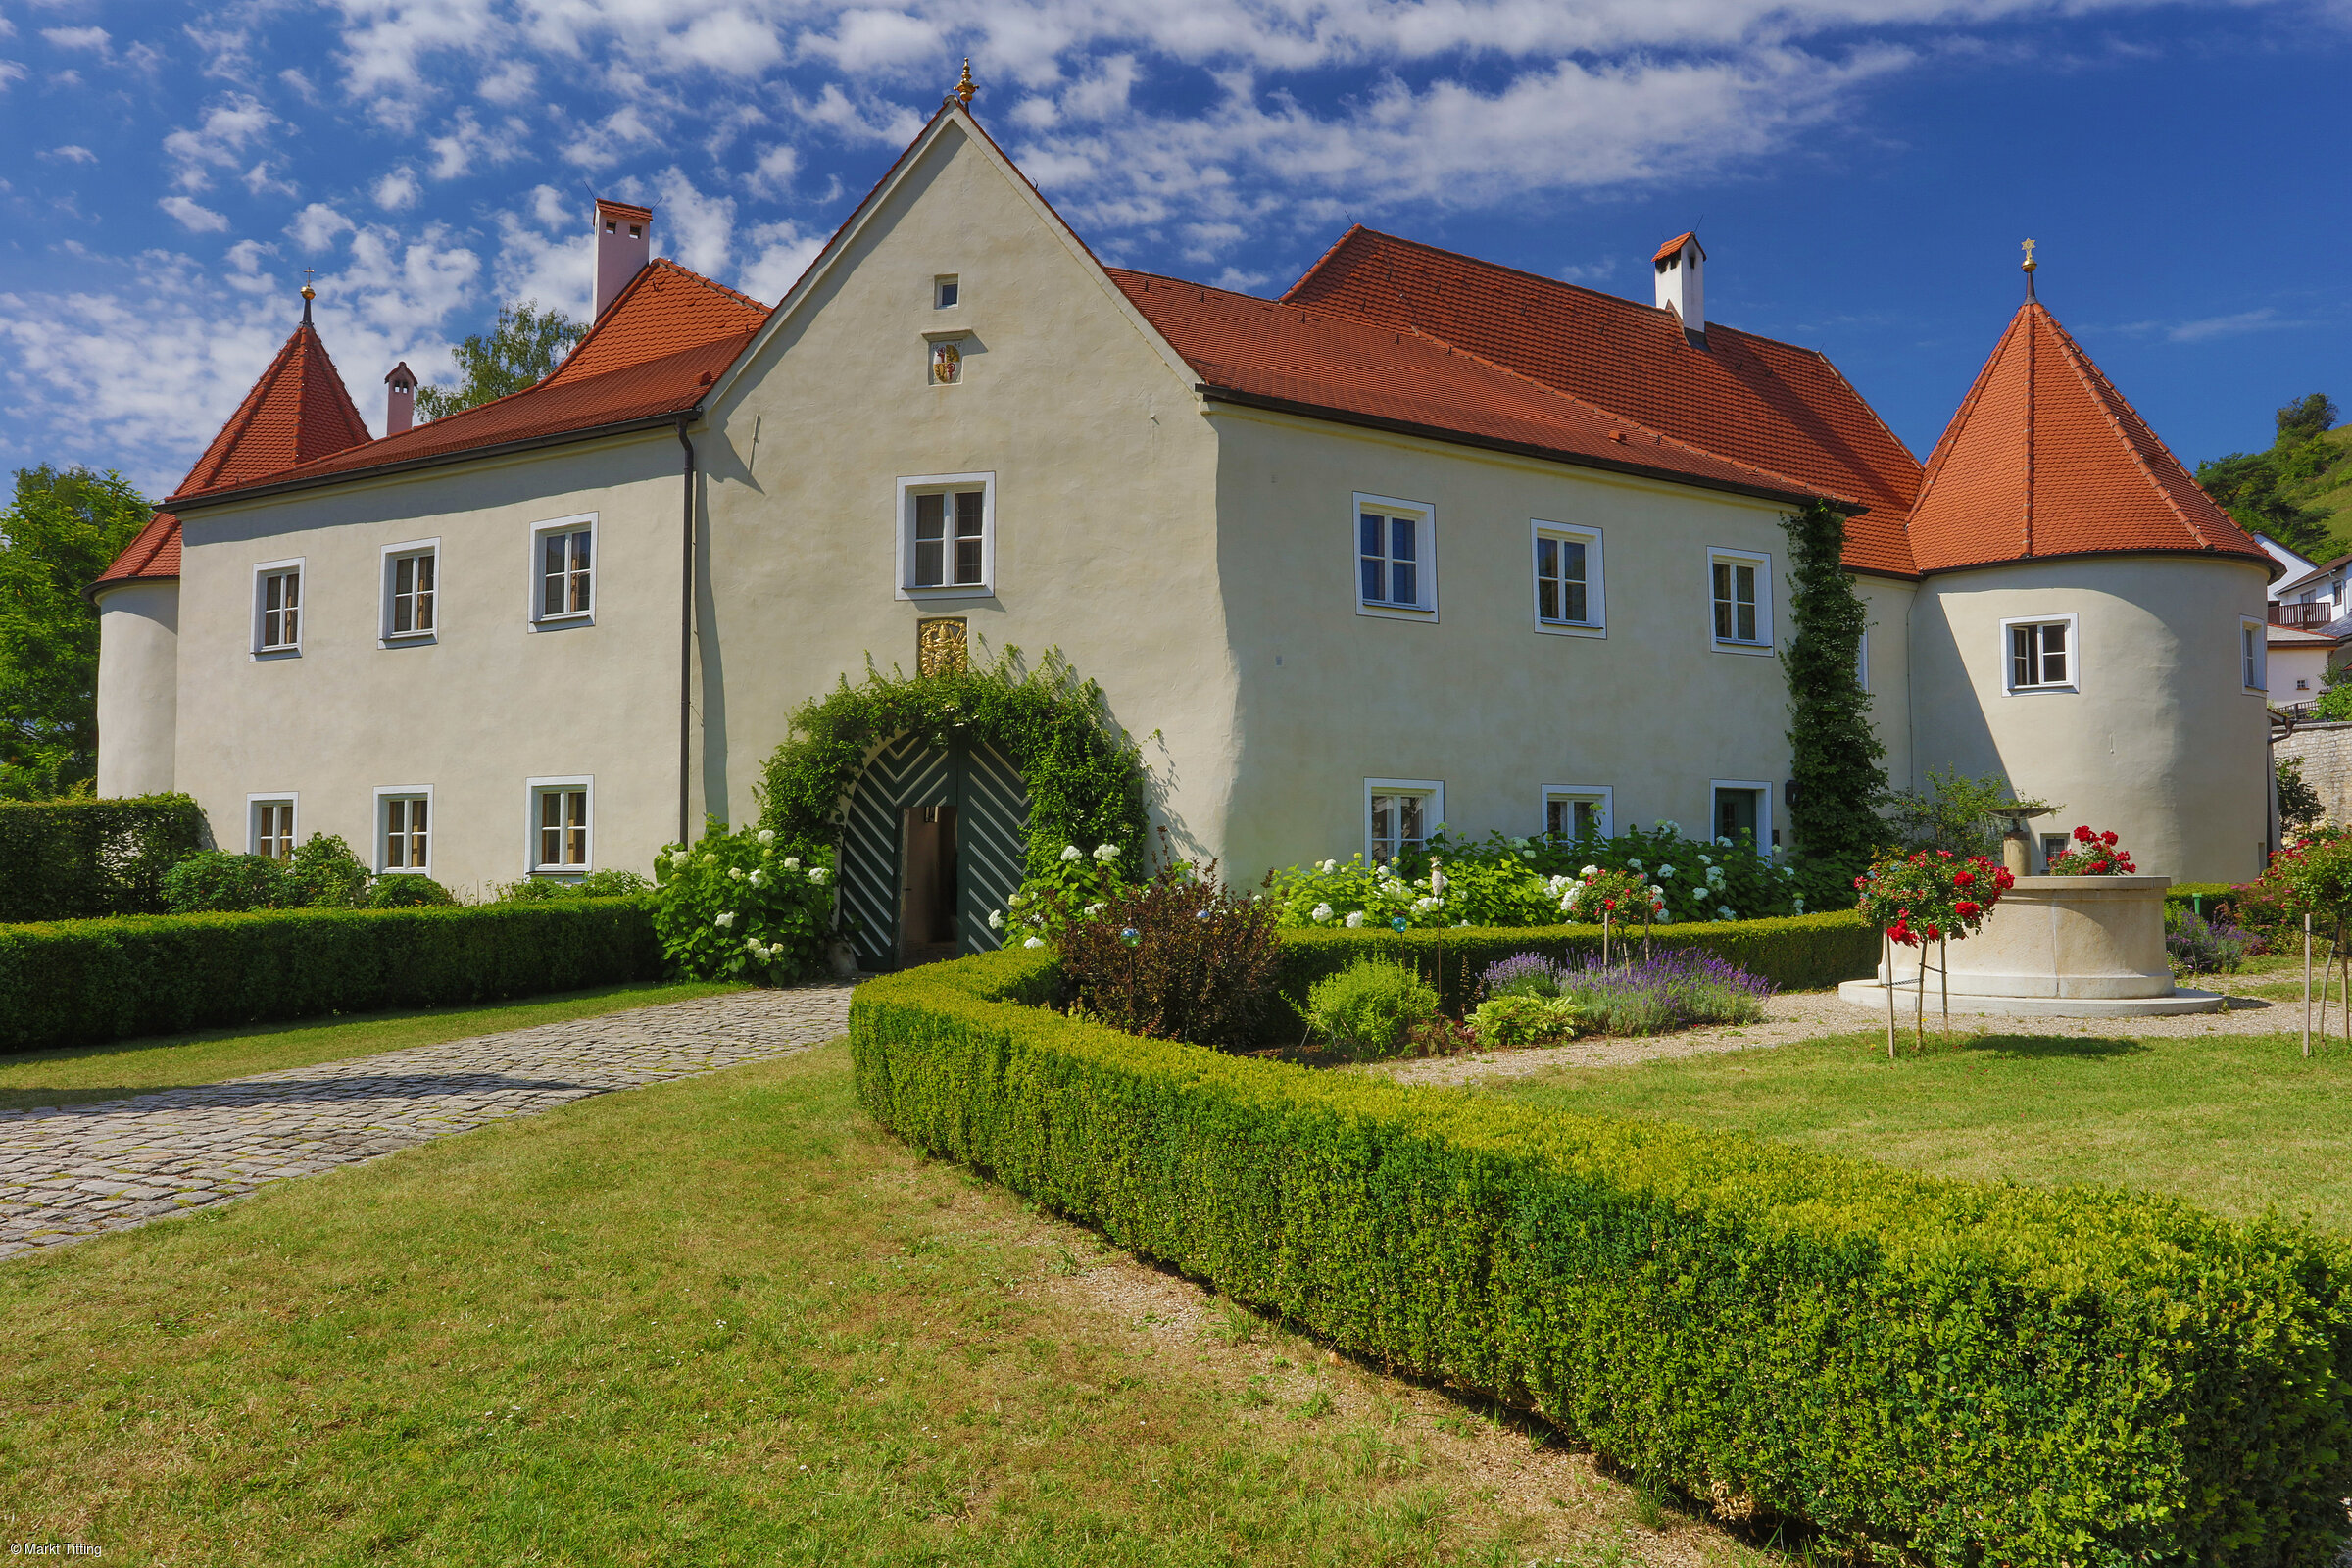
(2306, 617)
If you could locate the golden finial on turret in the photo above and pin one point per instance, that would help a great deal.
(2030, 263)
(964, 88)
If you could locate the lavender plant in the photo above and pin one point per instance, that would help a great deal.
(1676, 988)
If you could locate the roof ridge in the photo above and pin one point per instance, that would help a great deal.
(2104, 393)
(1329, 252)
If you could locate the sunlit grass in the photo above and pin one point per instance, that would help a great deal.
(2238, 1123)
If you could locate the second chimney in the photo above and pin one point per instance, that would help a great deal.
(623, 241)
(1681, 269)
(399, 399)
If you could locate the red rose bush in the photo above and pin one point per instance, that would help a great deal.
(2092, 855)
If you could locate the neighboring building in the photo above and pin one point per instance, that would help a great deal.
(1425, 539)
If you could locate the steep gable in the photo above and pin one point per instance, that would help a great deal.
(1751, 400)
(2045, 457)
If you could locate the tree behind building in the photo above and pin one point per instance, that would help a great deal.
(520, 350)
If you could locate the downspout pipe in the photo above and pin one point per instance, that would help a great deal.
(685, 631)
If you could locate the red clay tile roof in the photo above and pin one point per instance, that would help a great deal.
(1747, 399)
(151, 557)
(654, 352)
(1320, 362)
(1674, 246)
(2047, 459)
(297, 411)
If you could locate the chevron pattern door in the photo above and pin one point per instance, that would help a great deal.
(991, 816)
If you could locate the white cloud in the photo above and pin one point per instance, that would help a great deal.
(229, 126)
(10, 71)
(455, 150)
(263, 179)
(864, 41)
(699, 230)
(317, 226)
(397, 191)
(513, 83)
(607, 143)
(773, 174)
(95, 40)
(551, 208)
(872, 121)
(2206, 328)
(299, 84)
(725, 41)
(782, 253)
(70, 154)
(192, 218)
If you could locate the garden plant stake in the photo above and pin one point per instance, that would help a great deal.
(1929, 896)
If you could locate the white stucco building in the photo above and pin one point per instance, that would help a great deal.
(1424, 539)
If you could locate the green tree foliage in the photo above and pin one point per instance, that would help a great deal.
(2252, 486)
(2299, 804)
(1836, 753)
(1951, 814)
(522, 349)
(62, 529)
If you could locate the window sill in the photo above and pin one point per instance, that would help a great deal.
(1725, 644)
(560, 870)
(585, 618)
(1396, 611)
(2042, 691)
(1572, 628)
(403, 870)
(273, 653)
(953, 590)
(409, 639)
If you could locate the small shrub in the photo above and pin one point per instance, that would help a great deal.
(1369, 1010)
(407, 890)
(1180, 957)
(613, 884)
(1523, 1019)
(218, 882)
(736, 908)
(2198, 945)
(1523, 974)
(1676, 988)
(329, 876)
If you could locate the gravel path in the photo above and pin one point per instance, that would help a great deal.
(1809, 1014)
(76, 1171)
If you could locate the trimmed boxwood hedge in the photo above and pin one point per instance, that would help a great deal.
(80, 982)
(82, 860)
(1797, 952)
(1968, 1372)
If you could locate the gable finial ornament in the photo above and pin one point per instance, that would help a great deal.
(963, 90)
(308, 293)
(2027, 269)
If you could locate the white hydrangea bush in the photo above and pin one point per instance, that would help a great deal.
(732, 908)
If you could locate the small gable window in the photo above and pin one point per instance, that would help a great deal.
(947, 291)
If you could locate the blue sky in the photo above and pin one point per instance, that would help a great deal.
(1861, 170)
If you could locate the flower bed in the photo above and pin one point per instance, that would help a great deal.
(1965, 1372)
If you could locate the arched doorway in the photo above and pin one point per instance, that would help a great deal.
(932, 843)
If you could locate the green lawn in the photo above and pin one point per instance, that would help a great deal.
(2234, 1123)
(171, 1061)
(725, 1320)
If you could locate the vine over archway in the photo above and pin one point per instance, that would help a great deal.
(1084, 777)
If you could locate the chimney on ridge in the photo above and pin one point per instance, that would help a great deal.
(1681, 269)
(400, 401)
(623, 243)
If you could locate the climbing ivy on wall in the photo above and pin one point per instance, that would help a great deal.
(1084, 777)
(1836, 766)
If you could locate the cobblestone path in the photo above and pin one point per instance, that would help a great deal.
(74, 1171)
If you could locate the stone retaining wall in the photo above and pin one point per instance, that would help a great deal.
(2326, 753)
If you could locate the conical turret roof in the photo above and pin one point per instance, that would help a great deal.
(298, 412)
(2047, 459)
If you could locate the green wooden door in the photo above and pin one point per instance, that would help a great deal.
(992, 809)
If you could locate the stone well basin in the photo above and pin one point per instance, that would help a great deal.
(2062, 946)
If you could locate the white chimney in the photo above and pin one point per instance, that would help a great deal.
(1681, 269)
(623, 242)
(400, 400)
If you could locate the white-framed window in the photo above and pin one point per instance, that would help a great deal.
(1395, 551)
(1570, 597)
(2040, 655)
(1740, 600)
(403, 828)
(562, 824)
(564, 570)
(1579, 810)
(2254, 654)
(1400, 813)
(269, 824)
(1741, 806)
(411, 590)
(947, 291)
(277, 607)
(947, 529)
